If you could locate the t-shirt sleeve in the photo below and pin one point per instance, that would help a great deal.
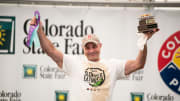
(68, 62)
(120, 69)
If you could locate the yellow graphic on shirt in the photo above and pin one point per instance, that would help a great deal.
(176, 58)
(97, 75)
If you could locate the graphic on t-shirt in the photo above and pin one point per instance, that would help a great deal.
(94, 76)
(98, 78)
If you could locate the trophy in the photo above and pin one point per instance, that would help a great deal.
(147, 24)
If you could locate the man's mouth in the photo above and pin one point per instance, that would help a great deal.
(92, 54)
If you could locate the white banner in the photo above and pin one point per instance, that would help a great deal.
(30, 75)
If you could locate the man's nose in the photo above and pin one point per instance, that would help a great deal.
(91, 50)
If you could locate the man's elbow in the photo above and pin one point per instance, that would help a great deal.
(140, 65)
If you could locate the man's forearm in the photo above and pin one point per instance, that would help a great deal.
(141, 58)
(46, 45)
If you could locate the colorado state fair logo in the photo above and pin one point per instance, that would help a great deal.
(169, 62)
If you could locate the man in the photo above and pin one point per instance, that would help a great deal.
(93, 78)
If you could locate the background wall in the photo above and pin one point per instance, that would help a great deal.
(65, 27)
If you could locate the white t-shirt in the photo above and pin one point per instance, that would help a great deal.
(92, 81)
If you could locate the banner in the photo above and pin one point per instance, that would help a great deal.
(28, 74)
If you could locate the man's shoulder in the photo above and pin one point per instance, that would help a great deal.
(113, 61)
(74, 57)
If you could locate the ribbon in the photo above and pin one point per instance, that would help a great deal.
(32, 35)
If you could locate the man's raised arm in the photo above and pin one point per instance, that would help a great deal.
(139, 62)
(48, 47)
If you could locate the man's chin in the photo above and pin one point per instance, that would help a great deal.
(93, 59)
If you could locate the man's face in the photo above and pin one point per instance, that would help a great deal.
(92, 51)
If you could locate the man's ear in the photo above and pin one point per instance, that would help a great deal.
(100, 44)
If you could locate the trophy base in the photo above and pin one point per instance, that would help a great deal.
(147, 28)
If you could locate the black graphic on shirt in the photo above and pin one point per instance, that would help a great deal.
(94, 76)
